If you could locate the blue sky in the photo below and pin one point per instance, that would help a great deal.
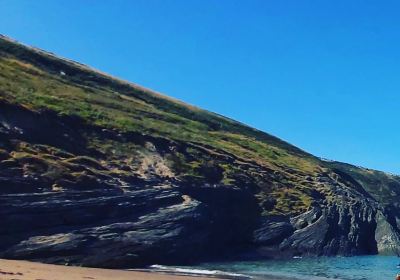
(322, 75)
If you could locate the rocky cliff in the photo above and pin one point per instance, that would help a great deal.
(96, 171)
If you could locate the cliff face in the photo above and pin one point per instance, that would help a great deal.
(99, 172)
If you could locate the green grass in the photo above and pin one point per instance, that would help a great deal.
(106, 105)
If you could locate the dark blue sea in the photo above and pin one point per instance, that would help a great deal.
(344, 268)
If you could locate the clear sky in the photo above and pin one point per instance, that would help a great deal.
(322, 75)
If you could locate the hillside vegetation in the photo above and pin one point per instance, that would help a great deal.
(38, 81)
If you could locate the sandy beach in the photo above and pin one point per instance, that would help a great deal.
(24, 270)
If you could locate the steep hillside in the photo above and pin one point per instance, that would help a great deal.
(101, 172)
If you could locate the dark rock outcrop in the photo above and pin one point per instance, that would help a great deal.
(126, 229)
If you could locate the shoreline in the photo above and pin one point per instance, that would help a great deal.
(27, 270)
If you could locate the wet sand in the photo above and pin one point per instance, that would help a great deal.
(24, 270)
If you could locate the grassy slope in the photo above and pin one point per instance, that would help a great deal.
(40, 81)
(383, 187)
(33, 79)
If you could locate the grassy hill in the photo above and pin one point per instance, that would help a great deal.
(39, 81)
(71, 135)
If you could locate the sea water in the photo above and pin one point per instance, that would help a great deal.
(344, 268)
